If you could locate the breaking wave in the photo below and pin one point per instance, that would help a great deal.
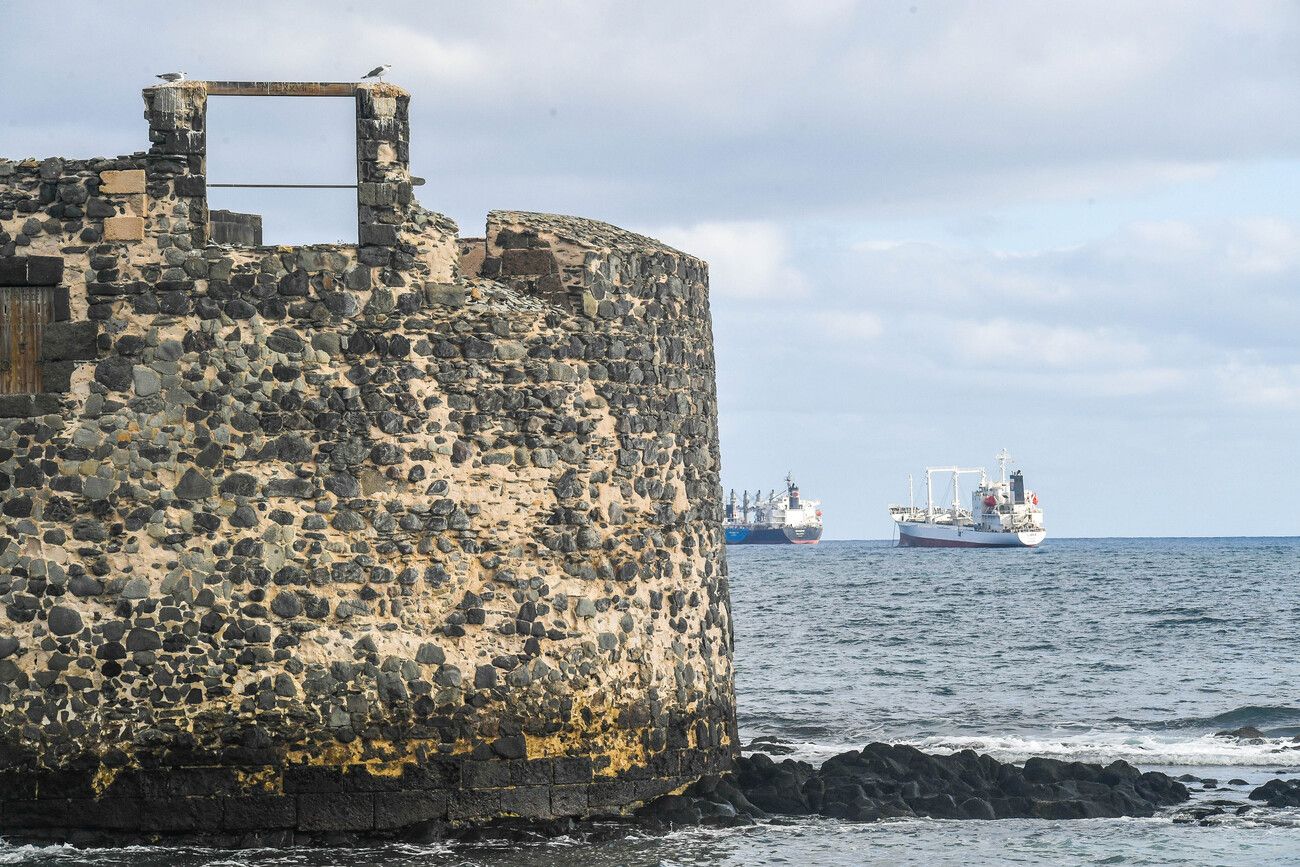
(1263, 717)
(1143, 749)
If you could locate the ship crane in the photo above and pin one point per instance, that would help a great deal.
(957, 473)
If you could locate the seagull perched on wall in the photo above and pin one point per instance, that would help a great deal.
(377, 72)
(171, 76)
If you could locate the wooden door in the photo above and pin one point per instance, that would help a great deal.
(24, 311)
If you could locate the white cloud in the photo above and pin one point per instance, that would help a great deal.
(1251, 384)
(746, 259)
(1007, 343)
(854, 326)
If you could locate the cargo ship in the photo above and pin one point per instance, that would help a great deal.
(1002, 514)
(781, 519)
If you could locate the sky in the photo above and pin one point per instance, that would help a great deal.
(934, 229)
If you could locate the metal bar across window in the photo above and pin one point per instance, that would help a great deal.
(290, 186)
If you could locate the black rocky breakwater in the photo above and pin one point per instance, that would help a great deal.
(886, 781)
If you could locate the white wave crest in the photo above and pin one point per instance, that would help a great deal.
(1136, 748)
(30, 854)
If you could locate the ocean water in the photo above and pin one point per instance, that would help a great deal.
(1138, 649)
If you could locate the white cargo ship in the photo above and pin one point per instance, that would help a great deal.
(1002, 514)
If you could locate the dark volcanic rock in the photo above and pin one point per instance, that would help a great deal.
(1278, 793)
(1245, 733)
(883, 781)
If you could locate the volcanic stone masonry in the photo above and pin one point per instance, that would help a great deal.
(306, 542)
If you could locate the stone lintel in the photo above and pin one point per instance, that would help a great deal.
(281, 88)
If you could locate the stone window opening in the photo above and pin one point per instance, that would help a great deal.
(281, 170)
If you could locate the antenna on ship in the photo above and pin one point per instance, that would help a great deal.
(929, 496)
(911, 495)
(1004, 458)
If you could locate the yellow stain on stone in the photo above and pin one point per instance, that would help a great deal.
(103, 778)
(267, 780)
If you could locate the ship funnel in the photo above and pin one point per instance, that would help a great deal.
(1018, 488)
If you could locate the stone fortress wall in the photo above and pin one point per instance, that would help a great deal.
(300, 542)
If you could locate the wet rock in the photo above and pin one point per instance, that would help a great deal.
(883, 780)
(1245, 733)
(1278, 793)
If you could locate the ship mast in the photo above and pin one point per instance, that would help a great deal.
(1003, 459)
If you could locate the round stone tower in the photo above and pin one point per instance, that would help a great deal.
(368, 539)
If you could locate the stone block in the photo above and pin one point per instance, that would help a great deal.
(568, 800)
(357, 778)
(180, 814)
(377, 194)
(516, 263)
(56, 376)
(573, 769)
(191, 186)
(529, 802)
(35, 814)
(44, 270)
(612, 793)
(477, 804)
(484, 775)
(60, 784)
(61, 300)
(532, 772)
(353, 811)
(70, 341)
(304, 779)
(106, 813)
(124, 228)
(126, 182)
(254, 812)
(13, 270)
(15, 406)
(31, 270)
(380, 234)
(400, 809)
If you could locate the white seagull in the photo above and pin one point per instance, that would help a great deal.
(377, 72)
(171, 76)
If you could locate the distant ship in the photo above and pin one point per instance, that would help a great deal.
(779, 520)
(1003, 514)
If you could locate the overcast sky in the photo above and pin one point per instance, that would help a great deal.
(934, 229)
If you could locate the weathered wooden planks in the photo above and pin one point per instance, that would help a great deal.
(24, 311)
